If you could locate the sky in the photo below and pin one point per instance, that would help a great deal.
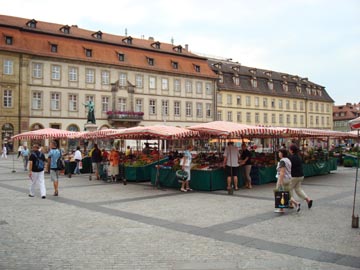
(316, 39)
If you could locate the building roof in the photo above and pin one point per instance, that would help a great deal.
(72, 42)
(297, 87)
(346, 112)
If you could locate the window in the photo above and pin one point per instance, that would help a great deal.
(8, 67)
(221, 78)
(199, 109)
(176, 108)
(89, 98)
(89, 75)
(254, 82)
(177, 85)
(281, 118)
(199, 88)
(197, 68)
(139, 81)
(8, 98)
(65, 29)
(164, 84)
(311, 120)
(150, 61)
(288, 121)
(316, 107)
(208, 89)
(122, 79)
(175, 65)
(248, 117)
(257, 118)
(322, 108)
(301, 105)
(121, 57)
(238, 100)
(328, 120)
(311, 106)
(295, 119)
(73, 103)
(208, 110)
(287, 104)
(32, 23)
(128, 40)
(36, 100)
(236, 80)
(105, 104)
(327, 108)
(280, 104)
(301, 119)
(188, 109)
(37, 70)
(229, 99)
(273, 118)
(164, 107)
(238, 117)
(138, 105)
(317, 120)
(55, 101)
(273, 103)
(265, 102)
(122, 104)
(105, 77)
(55, 72)
(256, 101)
(219, 115)
(8, 40)
(188, 86)
(219, 98)
(285, 87)
(54, 48)
(156, 45)
(229, 116)
(152, 82)
(248, 101)
(152, 106)
(265, 118)
(88, 52)
(294, 105)
(73, 74)
(271, 85)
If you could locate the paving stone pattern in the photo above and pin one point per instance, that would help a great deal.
(98, 225)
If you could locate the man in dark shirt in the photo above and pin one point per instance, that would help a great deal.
(36, 171)
(245, 163)
(96, 160)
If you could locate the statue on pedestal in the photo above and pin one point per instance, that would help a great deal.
(91, 114)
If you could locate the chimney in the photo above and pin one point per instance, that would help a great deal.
(187, 47)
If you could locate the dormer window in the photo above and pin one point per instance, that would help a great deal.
(236, 80)
(252, 71)
(128, 40)
(284, 77)
(65, 29)
(97, 35)
(298, 88)
(197, 68)
(320, 93)
(121, 57)
(254, 82)
(156, 45)
(53, 48)
(88, 52)
(175, 65)
(285, 86)
(32, 23)
(271, 85)
(221, 78)
(178, 49)
(150, 61)
(8, 40)
(236, 68)
(308, 90)
(268, 73)
(218, 65)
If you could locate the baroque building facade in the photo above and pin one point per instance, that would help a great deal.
(263, 97)
(48, 73)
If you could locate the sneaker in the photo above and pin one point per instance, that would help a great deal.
(124, 182)
(31, 196)
(310, 204)
(189, 189)
(279, 210)
(183, 190)
(298, 208)
(43, 197)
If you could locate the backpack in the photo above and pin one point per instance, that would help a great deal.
(60, 163)
(39, 163)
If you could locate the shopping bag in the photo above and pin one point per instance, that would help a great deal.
(80, 165)
(282, 198)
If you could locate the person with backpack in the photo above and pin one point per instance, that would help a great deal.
(36, 171)
(53, 157)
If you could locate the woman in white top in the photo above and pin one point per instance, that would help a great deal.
(78, 158)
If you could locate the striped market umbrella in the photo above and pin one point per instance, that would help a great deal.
(45, 133)
(355, 123)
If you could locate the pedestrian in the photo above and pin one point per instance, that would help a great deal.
(36, 171)
(114, 159)
(78, 159)
(231, 164)
(53, 156)
(96, 160)
(4, 151)
(186, 166)
(297, 174)
(283, 176)
(25, 153)
(20, 148)
(245, 163)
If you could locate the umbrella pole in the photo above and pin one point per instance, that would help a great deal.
(13, 170)
(355, 219)
(157, 181)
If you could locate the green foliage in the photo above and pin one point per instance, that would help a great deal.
(348, 163)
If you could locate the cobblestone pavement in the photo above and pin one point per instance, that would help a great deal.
(96, 225)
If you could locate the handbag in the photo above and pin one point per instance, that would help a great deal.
(282, 198)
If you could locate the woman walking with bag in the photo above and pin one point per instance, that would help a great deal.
(54, 155)
(283, 176)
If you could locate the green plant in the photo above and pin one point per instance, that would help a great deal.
(348, 163)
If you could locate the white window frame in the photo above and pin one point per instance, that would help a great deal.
(37, 70)
(105, 102)
(36, 100)
(55, 101)
(152, 106)
(188, 86)
(121, 104)
(177, 108)
(73, 103)
(208, 107)
(8, 98)
(56, 72)
(177, 85)
(138, 105)
(73, 74)
(8, 67)
(164, 84)
(90, 75)
(199, 109)
(188, 109)
(105, 77)
(122, 79)
(152, 82)
(199, 88)
(139, 81)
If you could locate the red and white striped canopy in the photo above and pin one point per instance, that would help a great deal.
(45, 133)
(97, 134)
(154, 132)
(355, 123)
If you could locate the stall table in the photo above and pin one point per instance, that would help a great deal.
(141, 173)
